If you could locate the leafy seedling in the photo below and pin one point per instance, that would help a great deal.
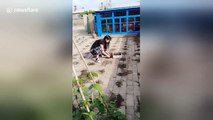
(92, 74)
(117, 99)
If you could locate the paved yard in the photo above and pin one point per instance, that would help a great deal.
(119, 75)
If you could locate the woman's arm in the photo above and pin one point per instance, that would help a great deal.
(103, 51)
(107, 52)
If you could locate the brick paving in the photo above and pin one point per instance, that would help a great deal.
(130, 87)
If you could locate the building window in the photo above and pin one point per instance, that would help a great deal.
(109, 21)
(106, 14)
(104, 28)
(117, 20)
(123, 20)
(123, 27)
(109, 28)
(137, 26)
(117, 27)
(103, 21)
(134, 12)
(137, 18)
(131, 20)
(120, 13)
(131, 27)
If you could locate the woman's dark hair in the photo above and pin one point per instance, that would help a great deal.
(107, 37)
(107, 44)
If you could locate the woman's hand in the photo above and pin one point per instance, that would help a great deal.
(108, 56)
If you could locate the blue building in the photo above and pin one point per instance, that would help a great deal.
(117, 21)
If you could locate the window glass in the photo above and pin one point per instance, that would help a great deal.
(120, 13)
(134, 12)
(117, 27)
(103, 28)
(117, 20)
(137, 26)
(131, 19)
(137, 18)
(109, 21)
(103, 21)
(131, 27)
(106, 14)
(123, 19)
(110, 28)
(123, 27)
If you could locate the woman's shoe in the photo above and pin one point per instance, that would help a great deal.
(97, 60)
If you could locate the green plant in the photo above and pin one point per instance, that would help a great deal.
(85, 77)
(100, 105)
(92, 74)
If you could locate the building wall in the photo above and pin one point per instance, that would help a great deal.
(77, 20)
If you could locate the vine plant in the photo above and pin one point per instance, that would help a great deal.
(99, 104)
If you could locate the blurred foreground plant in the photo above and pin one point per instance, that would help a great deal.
(100, 105)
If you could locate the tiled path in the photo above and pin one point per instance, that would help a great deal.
(127, 74)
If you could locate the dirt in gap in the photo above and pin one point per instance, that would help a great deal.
(121, 65)
(75, 63)
(90, 63)
(117, 53)
(84, 72)
(136, 54)
(119, 83)
(125, 49)
(138, 83)
(102, 71)
(106, 62)
(84, 76)
(123, 59)
(99, 82)
(118, 99)
(138, 60)
(137, 50)
(138, 105)
(124, 53)
(137, 41)
(125, 72)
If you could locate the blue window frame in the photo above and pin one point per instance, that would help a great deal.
(118, 21)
